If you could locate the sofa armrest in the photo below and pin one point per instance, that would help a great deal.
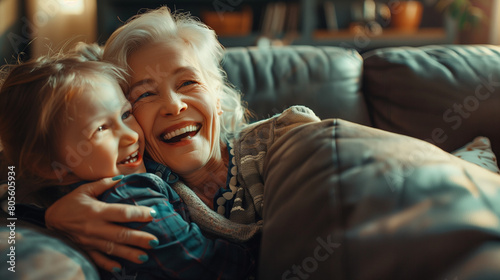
(29, 251)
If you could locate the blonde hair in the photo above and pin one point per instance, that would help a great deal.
(161, 25)
(34, 97)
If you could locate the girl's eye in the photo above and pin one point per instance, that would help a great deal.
(126, 115)
(102, 128)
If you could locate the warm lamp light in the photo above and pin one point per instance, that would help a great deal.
(72, 6)
(495, 24)
(60, 23)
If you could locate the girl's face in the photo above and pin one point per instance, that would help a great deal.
(101, 138)
(177, 110)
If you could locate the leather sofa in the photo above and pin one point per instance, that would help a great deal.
(446, 95)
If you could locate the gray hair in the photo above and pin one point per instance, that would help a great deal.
(161, 25)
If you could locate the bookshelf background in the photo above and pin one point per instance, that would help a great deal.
(299, 22)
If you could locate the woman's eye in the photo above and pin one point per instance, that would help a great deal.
(188, 83)
(126, 115)
(144, 95)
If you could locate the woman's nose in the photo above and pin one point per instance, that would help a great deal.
(172, 104)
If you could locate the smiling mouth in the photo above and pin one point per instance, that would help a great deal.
(131, 158)
(181, 133)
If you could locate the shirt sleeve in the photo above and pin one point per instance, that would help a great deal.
(184, 252)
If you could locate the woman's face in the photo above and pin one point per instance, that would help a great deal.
(173, 104)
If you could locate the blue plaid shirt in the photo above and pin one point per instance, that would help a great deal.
(184, 252)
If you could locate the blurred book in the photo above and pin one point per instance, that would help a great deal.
(273, 23)
(330, 16)
(292, 18)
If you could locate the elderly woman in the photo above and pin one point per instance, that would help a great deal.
(194, 123)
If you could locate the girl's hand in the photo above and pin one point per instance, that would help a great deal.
(91, 224)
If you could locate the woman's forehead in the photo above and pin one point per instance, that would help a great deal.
(174, 49)
(162, 59)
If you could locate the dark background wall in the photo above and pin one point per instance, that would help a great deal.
(304, 23)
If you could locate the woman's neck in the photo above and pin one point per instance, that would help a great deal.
(206, 181)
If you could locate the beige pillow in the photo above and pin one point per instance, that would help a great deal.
(479, 152)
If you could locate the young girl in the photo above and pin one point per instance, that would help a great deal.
(64, 121)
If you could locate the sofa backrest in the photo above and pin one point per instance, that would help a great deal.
(325, 79)
(446, 94)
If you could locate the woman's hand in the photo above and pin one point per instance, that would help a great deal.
(91, 223)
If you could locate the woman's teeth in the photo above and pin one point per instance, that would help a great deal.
(180, 131)
(132, 158)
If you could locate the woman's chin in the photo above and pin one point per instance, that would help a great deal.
(184, 156)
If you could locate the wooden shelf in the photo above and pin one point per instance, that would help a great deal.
(307, 26)
(388, 38)
(387, 34)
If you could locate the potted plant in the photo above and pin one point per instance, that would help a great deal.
(464, 12)
(469, 19)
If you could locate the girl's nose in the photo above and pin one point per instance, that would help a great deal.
(128, 136)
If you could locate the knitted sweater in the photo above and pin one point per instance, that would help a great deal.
(250, 151)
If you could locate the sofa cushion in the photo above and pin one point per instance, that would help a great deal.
(325, 79)
(445, 94)
(344, 201)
